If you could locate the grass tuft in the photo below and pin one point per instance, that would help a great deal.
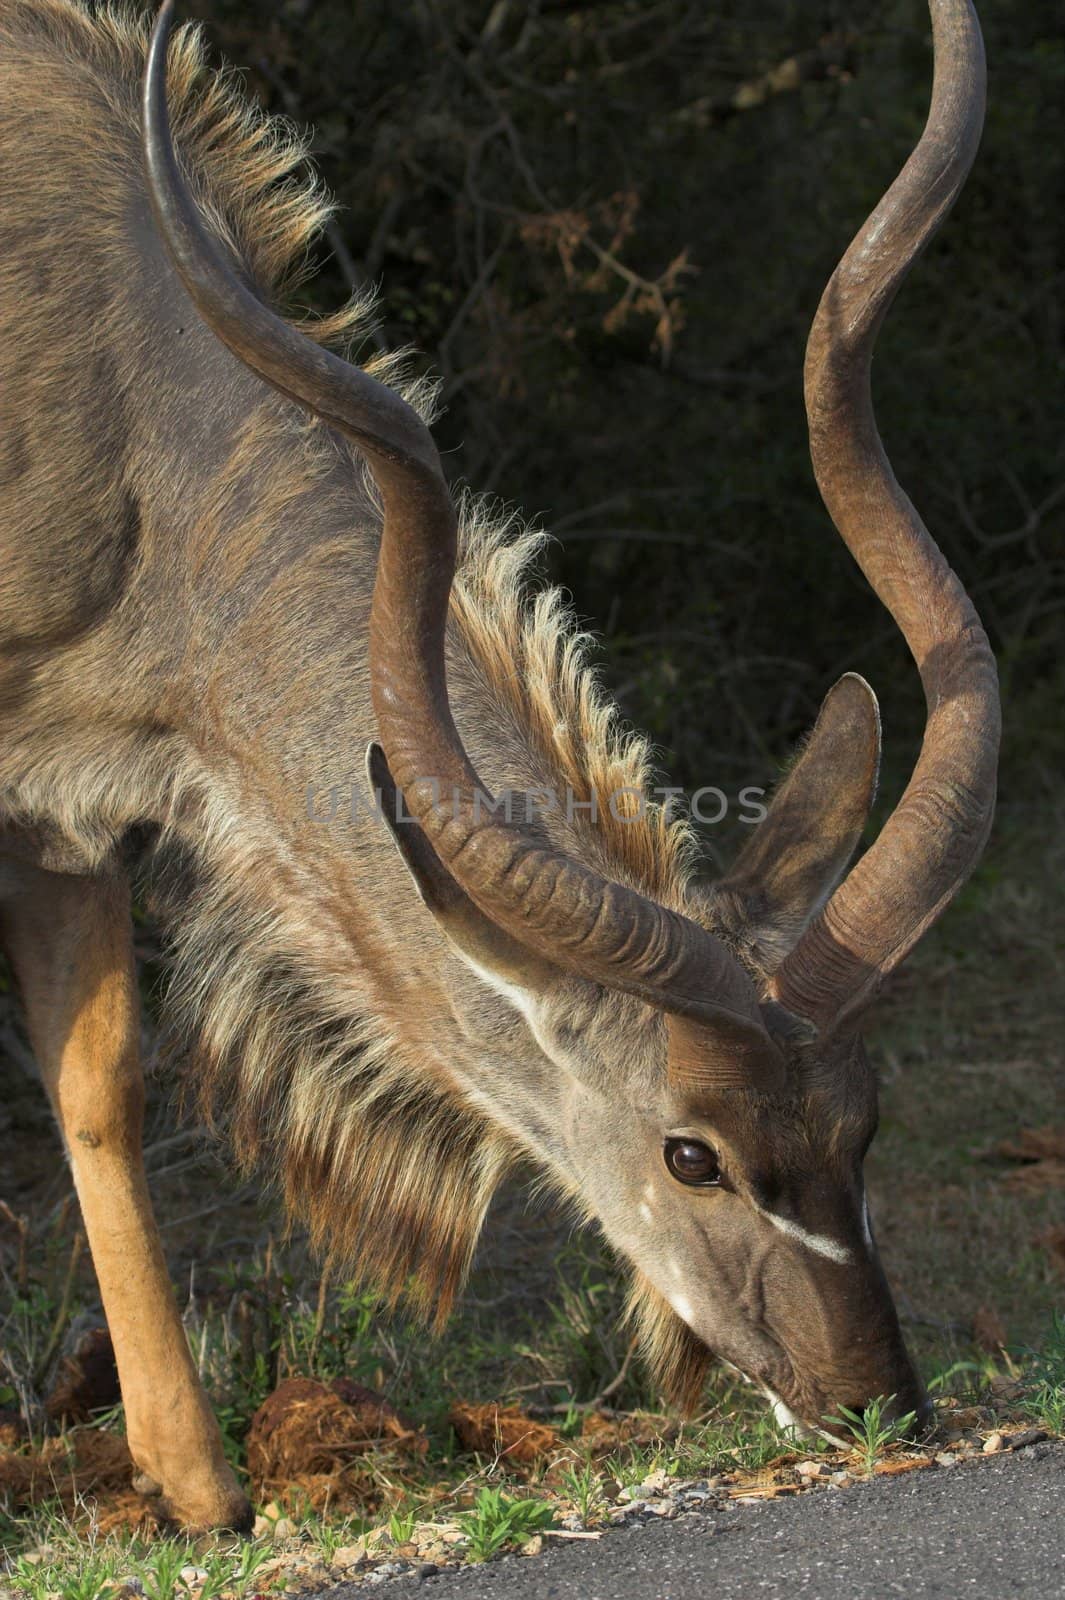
(498, 1520)
(872, 1429)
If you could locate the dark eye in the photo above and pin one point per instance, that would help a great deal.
(692, 1163)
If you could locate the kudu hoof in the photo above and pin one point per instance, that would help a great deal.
(226, 1510)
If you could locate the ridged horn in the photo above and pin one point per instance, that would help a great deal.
(556, 907)
(930, 844)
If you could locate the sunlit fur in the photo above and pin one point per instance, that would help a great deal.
(387, 1161)
(246, 167)
(527, 649)
(676, 1355)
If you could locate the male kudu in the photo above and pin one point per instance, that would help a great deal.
(231, 566)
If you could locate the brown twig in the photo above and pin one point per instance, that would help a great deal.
(320, 1313)
(21, 1226)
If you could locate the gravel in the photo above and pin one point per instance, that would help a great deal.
(991, 1526)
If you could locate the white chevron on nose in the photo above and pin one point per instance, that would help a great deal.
(819, 1243)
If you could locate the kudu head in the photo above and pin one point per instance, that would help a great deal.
(717, 1100)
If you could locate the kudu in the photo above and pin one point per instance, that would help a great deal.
(229, 570)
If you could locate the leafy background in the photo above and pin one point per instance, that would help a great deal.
(608, 225)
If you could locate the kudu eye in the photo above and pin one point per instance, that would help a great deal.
(692, 1163)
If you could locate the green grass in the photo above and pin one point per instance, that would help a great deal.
(401, 1525)
(498, 1520)
(1045, 1400)
(492, 1510)
(79, 1572)
(584, 1486)
(330, 1534)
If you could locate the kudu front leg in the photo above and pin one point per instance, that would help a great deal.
(69, 942)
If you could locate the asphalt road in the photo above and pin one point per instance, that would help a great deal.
(994, 1529)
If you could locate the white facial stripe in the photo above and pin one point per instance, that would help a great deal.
(784, 1417)
(787, 1421)
(867, 1229)
(817, 1242)
(520, 999)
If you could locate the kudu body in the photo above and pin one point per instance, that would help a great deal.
(227, 571)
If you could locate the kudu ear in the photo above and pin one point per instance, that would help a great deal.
(790, 866)
(498, 958)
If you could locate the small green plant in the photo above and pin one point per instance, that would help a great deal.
(31, 1577)
(498, 1519)
(250, 1560)
(584, 1487)
(1047, 1405)
(401, 1525)
(47, 1578)
(219, 1569)
(872, 1429)
(1045, 1399)
(631, 1466)
(161, 1571)
(572, 1421)
(332, 1536)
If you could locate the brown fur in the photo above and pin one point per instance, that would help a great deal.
(185, 591)
(301, 1050)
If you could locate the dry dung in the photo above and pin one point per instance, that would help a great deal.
(314, 1437)
(1035, 1144)
(89, 1464)
(1042, 1150)
(505, 1432)
(87, 1380)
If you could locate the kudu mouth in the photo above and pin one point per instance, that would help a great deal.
(824, 1344)
(810, 1407)
(834, 1414)
(829, 1392)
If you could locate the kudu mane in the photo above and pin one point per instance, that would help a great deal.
(391, 1169)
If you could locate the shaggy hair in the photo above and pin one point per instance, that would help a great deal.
(678, 1357)
(391, 1168)
(392, 1173)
